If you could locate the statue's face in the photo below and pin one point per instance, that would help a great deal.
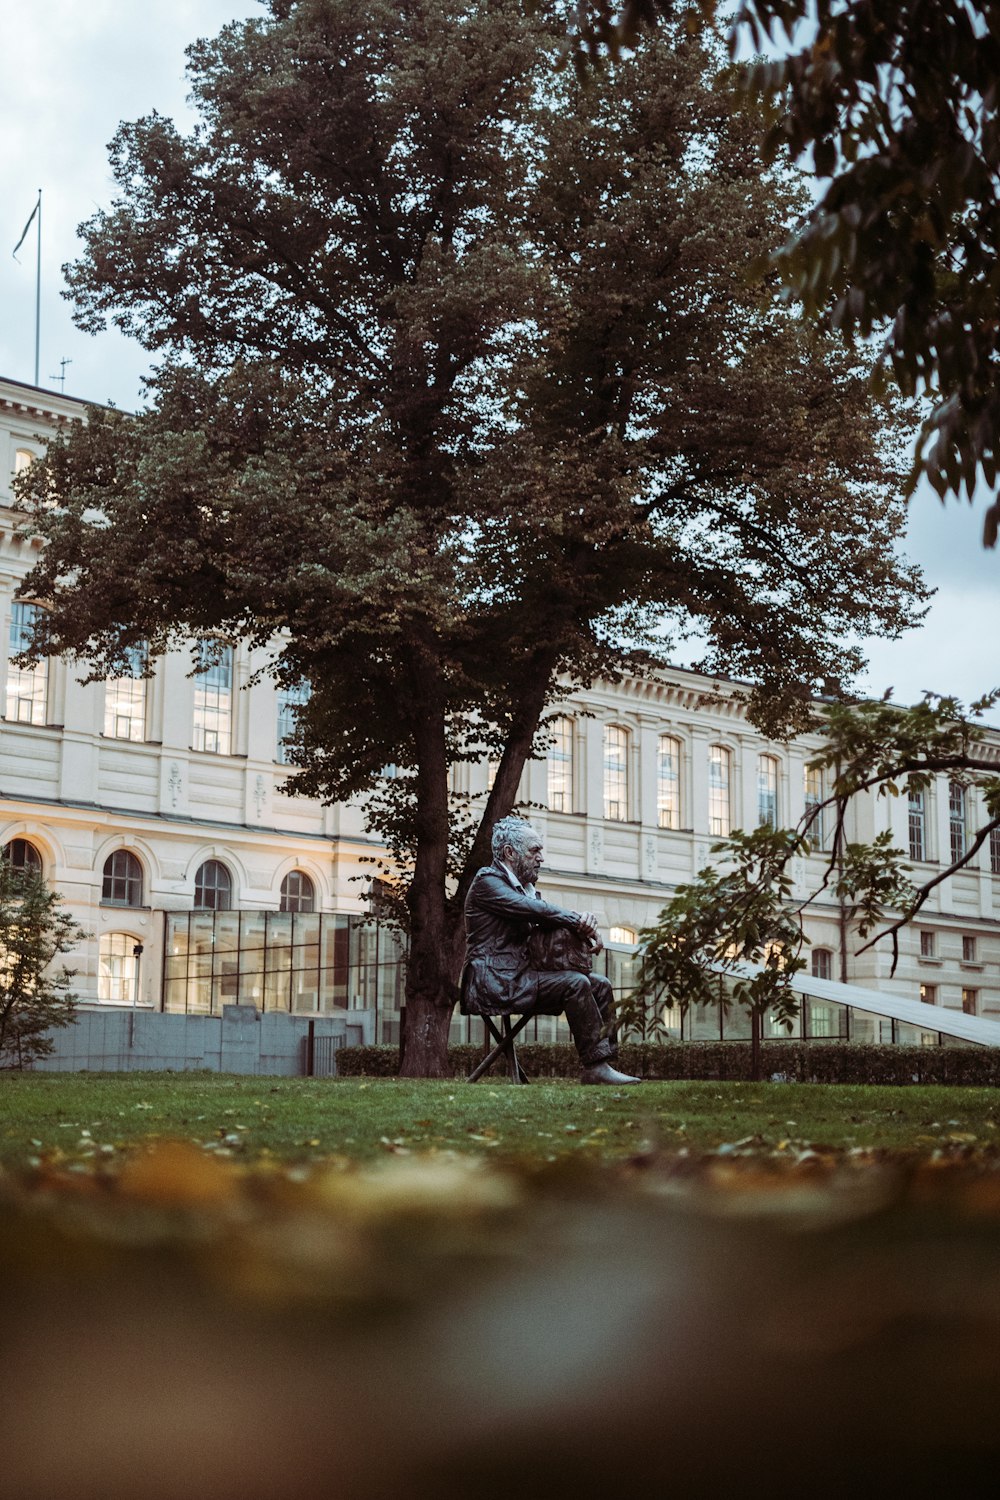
(526, 862)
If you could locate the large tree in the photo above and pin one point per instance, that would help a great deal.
(464, 397)
(896, 104)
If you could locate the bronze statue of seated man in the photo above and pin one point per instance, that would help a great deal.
(500, 978)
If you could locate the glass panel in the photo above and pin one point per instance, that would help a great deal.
(560, 766)
(615, 773)
(719, 811)
(668, 782)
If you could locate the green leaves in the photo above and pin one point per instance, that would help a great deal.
(34, 996)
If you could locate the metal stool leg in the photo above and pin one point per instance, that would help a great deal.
(505, 1044)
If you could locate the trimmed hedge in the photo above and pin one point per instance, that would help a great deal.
(781, 1062)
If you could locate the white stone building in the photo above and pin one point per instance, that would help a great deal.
(159, 811)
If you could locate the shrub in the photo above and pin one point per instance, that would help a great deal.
(781, 1062)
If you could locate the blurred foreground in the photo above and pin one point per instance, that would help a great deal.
(179, 1325)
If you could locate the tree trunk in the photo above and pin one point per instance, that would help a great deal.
(431, 978)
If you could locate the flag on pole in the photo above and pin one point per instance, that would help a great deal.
(27, 226)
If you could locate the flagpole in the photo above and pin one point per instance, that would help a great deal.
(38, 285)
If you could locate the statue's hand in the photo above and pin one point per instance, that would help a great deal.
(588, 924)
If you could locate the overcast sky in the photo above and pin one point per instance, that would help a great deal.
(74, 70)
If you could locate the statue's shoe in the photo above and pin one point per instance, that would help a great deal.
(603, 1072)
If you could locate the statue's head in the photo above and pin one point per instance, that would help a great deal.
(519, 844)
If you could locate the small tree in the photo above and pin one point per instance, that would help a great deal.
(34, 997)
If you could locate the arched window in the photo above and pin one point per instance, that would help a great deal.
(822, 963)
(560, 765)
(213, 699)
(26, 686)
(213, 887)
(720, 812)
(22, 855)
(117, 968)
(290, 700)
(767, 791)
(616, 773)
(622, 935)
(668, 782)
(297, 892)
(125, 699)
(958, 825)
(814, 797)
(122, 880)
(23, 459)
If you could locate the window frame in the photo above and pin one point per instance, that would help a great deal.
(720, 788)
(133, 689)
(129, 975)
(616, 745)
(286, 897)
(215, 889)
(133, 878)
(559, 764)
(668, 787)
(768, 766)
(34, 681)
(212, 712)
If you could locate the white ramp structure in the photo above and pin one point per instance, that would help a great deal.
(899, 1012)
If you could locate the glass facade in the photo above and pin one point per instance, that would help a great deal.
(293, 961)
(117, 968)
(26, 686)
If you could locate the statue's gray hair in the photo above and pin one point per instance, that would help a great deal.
(512, 831)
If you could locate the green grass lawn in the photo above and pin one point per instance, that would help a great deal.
(86, 1116)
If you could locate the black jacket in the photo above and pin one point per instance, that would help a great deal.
(499, 918)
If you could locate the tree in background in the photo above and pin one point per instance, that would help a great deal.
(34, 997)
(742, 913)
(897, 105)
(463, 396)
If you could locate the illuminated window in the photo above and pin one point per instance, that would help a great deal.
(290, 700)
(822, 963)
(26, 686)
(213, 699)
(767, 791)
(297, 892)
(23, 459)
(917, 818)
(213, 887)
(23, 856)
(928, 994)
(957, 820)
(122, 880)
(668, 782)
(125, 700)
(117, 968)
(622, 935)
(560, 765)
(720, 817)
(969, 999)
(814, 798)
(615, 773)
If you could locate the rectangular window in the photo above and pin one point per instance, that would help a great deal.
(125, 700)
(720, 818)
(814, 797)
(290, 700)
(668, 782)
(926, 944)
(957, 824)
(995, 850)
(560, 765)
(213, 699)
(968, 949)
(969, 1001)
(767, 791)
(917, 816)
(928, 994)
(615, 773)
(26, 686)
